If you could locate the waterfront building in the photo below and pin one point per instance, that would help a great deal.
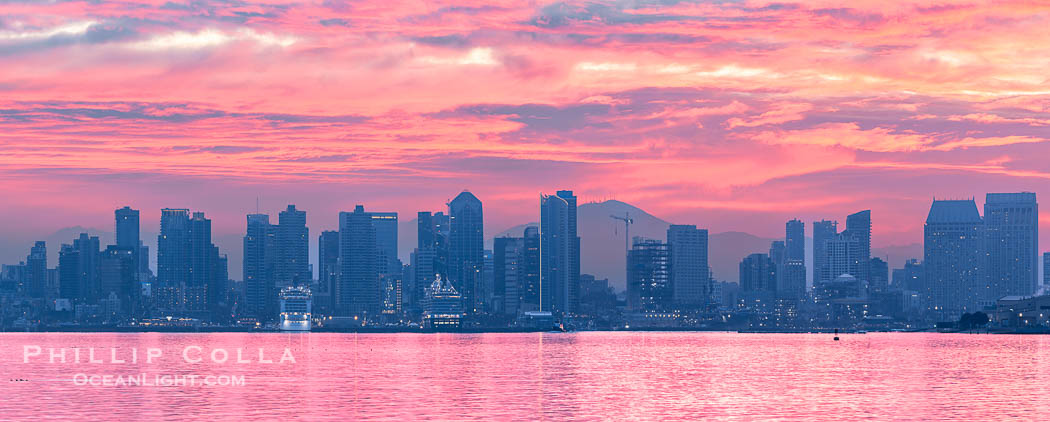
(649, 276)
(559, 253)
(1011, 229)
(953, 256)
(466, 248)
(690, 274)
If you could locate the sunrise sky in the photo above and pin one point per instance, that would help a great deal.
(732, 115)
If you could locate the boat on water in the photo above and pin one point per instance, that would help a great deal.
(296, 308)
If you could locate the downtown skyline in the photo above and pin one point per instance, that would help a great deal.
(718, 114)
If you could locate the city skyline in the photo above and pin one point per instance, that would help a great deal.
(685, 109)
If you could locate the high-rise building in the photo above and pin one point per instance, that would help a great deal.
(758, 274)
(823, 230)
(173, 257)
(1011, 227)
(327, 265)
(1046, 269)
(649, 276)
(795, 240)
(791, 280)
(260, 259)
(909, 277)
(357, 292)
(880, 274)
(429, 258)
(507, 255)
(36, 269)
(293, 249)
(843, 255)
(858, 226)
(560, 253)
(127, 230)
(69, 281)
(201, 283)
(118, 272)
(466, 248)
(87, 279)
(690, 274)
(953, 258)
(529, 277)
(385, 224)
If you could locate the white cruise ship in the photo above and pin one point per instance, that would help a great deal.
(296, 308)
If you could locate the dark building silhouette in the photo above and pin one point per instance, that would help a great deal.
(953, 259)
(327, 267)
(649, 276)
(1011, 228)
(908, 277)
(127, 231)
(795, 240)
(260, 261)
(508, 254)
(466, 248)
(388, 265)
(357, 291)
(823, 231)
(758, 274)
(78, 263)
(36, 271)
(173, 257)
(292, 248)
(560, 253)
(858, 226)
(880, 274)
(690, 273)
(69, 280)
(118, 272)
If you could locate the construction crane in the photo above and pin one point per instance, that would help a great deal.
(627, 221)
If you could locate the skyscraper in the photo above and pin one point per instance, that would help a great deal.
(690, 274)
(858, 226)
(953, 258)
(260, 258)
(758, 274)
(89, 249)
(1011, 227)
(127, 230)
(842, 255)
(118, 272)
(649, 276)
(202, 253)
(795, 240)
(822, 231)
(466, 248)
(36, 269)
(559, 253)
(69, 281)
(357, 292)
(293, 249)
(791, 280)
(173, 257)
(385, 224)
(327, 263)
(508, 255)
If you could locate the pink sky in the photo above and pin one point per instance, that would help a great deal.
(732, 115)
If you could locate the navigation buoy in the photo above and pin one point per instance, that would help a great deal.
(836, 334)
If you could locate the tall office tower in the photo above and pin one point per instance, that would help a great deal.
(649, 276)
(1011, 229)
(466, 248)
(260, 261)
(791, 280)
(173, 257)
(357, 292)
(758, 274)
(560, 253)
(1046, 268)
(795, 240)
(953, 259)
(327, 263)
(822, 231)
(293, 249)
(530, 279)
(119, 274)
(858, 226)
(690, 275)
(880, 274)
(219, 287)
(425, 230)
(424, 272)
(507, 257)
(385, 224)
(195, 296)
(777, 252)
(90, 253)
(909, 277)
(843, 254)
(127, 229)
(69, 281)
(36, 269)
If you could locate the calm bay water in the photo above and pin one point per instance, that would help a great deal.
(552, 376)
